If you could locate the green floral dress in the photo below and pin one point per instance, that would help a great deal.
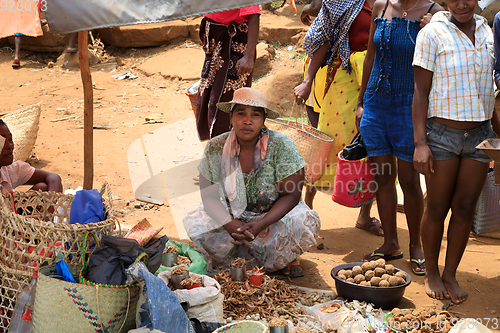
(279, 244)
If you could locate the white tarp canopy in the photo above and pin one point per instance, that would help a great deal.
(65, 16)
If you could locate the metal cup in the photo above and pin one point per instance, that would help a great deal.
(238, 274)
(176, 280)
(169, 259)
(282, 329)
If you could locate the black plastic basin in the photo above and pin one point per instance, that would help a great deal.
(381, 297)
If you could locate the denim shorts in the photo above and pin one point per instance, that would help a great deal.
(386, 126)
(446, 142)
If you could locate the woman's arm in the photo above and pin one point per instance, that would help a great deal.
(290, 190)
(309, 10)
(368, 62)
(422, 157)
(52, 180)
(303, 90)
(246, 64)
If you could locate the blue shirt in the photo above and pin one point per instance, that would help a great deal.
(496, 44)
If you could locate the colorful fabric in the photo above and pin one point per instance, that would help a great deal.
(318, 87)
(274, 248)
(279, 244)
(223, 46)
(14, 175)
(332, 24)
(338, 113)
(24, 19)
(462, 83)
(143, 232)
(236, 15)
(230, 162)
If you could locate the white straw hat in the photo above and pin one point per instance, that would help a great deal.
(251, 97)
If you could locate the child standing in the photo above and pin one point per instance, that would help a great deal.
(452, 113)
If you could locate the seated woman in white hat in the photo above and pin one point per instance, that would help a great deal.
(251, 182)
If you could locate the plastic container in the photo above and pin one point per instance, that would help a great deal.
(238, 274)
(256, 280)
(381, 297)
(22, 320)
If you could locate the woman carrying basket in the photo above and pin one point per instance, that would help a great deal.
(342, 54)
(251, 181)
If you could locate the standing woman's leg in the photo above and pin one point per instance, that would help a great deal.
(409, 179)
(440, 187)
(385, 178)
(470, 181)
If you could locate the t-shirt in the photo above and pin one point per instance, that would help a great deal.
(235, 15)
(14, 175)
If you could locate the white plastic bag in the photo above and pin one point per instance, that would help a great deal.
(330, 321)
(205, 303)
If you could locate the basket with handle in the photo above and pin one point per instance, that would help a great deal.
(86, 308)
(312, 144)
(30, 238)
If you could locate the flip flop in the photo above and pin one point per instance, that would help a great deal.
(72, 50)
(419, 263)
(287, 270)
(16, 63)
(373, 226)
(386, 257)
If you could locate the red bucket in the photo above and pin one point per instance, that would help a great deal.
(354, 184)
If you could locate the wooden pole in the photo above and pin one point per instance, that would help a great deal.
(88, 109)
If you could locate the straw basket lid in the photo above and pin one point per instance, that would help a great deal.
(251, 97)
(245, 326)
(23, 124)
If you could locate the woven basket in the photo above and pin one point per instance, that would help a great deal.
(313, 144)
(23, 124)
(85, 308)
(245, 326)
(27, 242)
(487, 217)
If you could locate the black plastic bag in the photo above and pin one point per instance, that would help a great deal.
(355, 150)
(202, 327)
(108, 262)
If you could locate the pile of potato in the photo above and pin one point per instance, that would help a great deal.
(374, 273)
(421, 320)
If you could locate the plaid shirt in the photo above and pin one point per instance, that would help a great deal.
(332, 26)
(462, 83)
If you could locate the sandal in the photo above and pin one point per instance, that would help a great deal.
(419, 263)
(293, 266)
(386, 257)
(72, 50)
(373, 225)
(16, 63)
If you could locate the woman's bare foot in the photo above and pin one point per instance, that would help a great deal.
(434, 287)
(457, 294)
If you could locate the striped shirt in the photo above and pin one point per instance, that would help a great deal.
(462, 83)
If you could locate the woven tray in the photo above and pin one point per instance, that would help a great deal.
(487, 217)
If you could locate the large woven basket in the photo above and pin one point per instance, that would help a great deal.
(28, 242)
(23, 124)
(487, 217)
(245, 326)
(84, 308)
(313, 144)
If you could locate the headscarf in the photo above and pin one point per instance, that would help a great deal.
(332, 26)
(232, 177)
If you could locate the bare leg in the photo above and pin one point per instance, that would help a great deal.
(310, 194)
(440, 189)
(17, 51)
(469, 184)
(409, 179)
(387, 201)
(73, 37)
(368, 223)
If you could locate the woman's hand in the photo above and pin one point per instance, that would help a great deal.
(247, 233)
(239, 238)
(245, 65)
(302, 92)
(425, 19)
(305, 18)
(359, 115)
(423, 161)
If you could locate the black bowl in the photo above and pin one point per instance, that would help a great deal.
(381, 297)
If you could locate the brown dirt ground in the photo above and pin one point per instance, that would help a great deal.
(122, 115)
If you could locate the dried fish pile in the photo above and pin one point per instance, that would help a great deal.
(310, 299)
(179, 270)
(271, 299)
(171, 249)
(192, 280)
(183, 260)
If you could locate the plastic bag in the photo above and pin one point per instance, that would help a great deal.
(203, 327)
(331, 321)
(108, 263)
(198, 263)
